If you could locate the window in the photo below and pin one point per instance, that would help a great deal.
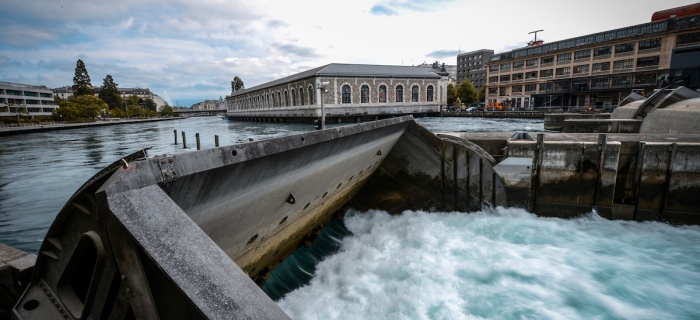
(364, 94)
(286, 98)
(294, 98)
(624, 47)
(648, 62)
(561, 85)
(503, 91)
(545, 86)
(301, 96)
(600, 67)
(429, 93)
(399, 93)
(531, 75)
(493, 79)
(546, 73)
(530, 87)
(650, 44)
(599, 83)
(518, 77)
(582, 54)
(623, 64)
(505, 66)
(548, 59)
(581, 69)
(493, 90)
(518, 64)
(345, 93)
(414, 93)
(505, 78)
(621, 81)
(279, 99)
(532, 62)
(382, 94)
(517, 88)
(565, 71)
(602, 51)
(645, 79)
(493, 68)
(688, 38)
(564, 57)
(311, 95)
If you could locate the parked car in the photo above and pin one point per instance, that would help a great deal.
(471, 109)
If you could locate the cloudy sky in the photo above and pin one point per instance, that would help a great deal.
(187, 51)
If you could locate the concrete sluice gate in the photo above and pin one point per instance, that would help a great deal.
(194, 235)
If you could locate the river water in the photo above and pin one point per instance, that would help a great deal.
(499, 263)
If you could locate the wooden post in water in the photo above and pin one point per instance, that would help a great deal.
(184, 141)
(196, 137)
(216, 140)
(175, 133)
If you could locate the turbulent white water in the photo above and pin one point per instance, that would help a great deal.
(504, 264)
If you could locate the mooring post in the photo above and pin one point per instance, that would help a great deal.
(216, 141)
(175, 133)
(196, 137)
(184, 141)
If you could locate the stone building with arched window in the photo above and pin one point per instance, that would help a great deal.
(353, 92)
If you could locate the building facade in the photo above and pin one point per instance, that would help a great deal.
(25, 99)
(595, 70)
(351, 90)
(210, 104)
(472, 66)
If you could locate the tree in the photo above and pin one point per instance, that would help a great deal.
(110, 93)
(451, 94)
(236, 84)
(166, 111)
(467, 92)
(81, 80)
(80, 107)
(150, 104)
(481, 97)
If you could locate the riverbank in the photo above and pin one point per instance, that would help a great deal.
(31, 128)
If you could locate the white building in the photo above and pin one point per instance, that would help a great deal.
(28, 100)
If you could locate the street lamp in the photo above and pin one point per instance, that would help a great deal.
(323, 88)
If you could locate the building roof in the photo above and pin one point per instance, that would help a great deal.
(351, 70)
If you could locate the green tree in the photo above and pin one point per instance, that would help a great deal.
(236, 84)
(134, 109)
(451, 94)
(166, 111)
(80, 108)
(150, 105)
(481, 97)
(110, 93)
(81, 80)
(467, 92)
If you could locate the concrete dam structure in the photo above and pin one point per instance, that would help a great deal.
(194, 235)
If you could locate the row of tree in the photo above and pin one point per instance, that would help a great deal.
(465, 93)
(83, 104)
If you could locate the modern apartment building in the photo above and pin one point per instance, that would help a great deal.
(472, 66)
(25, 99)
(598, 70)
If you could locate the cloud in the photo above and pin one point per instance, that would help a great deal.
(381, 10)
(439, 54)
(391, 7)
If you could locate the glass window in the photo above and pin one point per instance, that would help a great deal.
(493, 79)
(599, 83)
(505, 78)
(382, 94)
(301, 96)
(624, 47)
(647, 62)
(294, 98)
(603, 66)
(545, 86)
(493, 90)
(650, 44)
(399, 93)
(602, 51)
(623, 64)
(688, 38)
(531, 75)
(621, 81)
(414, 93)
(564, 57)
(429, 93)
(345, 94)
(532, 62)
(582, 54)
(546, 73)
(581, 69)
(563, 71)
(364, 94)
(518, 64)
(548, 59)
(505, 66)
(530, 87)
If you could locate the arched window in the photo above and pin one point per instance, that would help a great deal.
(399, 93)
(279, 99)
(414, 93)
(294, 98)
(364, 94)
(382, 94)
(301, 96)
(286, 98)
(312, 94)
(429, 93)
(346, 94)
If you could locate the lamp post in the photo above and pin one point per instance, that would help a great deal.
(322, 87)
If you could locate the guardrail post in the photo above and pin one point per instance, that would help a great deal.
(216, 141)
(196, 137)
(175, 133)
(184, 141)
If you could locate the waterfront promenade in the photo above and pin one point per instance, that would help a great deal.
(12, 129)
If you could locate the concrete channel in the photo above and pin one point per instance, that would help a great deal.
(194, 235)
